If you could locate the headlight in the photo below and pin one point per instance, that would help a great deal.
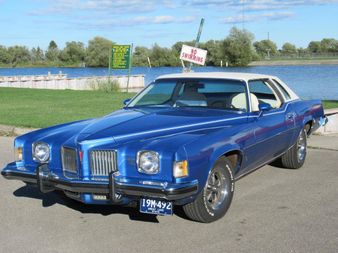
(41, 152)
(148, 162)
(18, 154)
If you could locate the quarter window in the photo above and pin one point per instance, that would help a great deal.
(283, 90)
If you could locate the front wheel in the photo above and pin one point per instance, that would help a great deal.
(214, 200)
(294, 158)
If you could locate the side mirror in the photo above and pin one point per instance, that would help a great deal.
(126, 101)
(263, 107)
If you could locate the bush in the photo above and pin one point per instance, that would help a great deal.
(108, 85)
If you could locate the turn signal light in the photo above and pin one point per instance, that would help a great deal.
(18, 154)
(180, 169)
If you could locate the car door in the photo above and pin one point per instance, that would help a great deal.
(269, 126)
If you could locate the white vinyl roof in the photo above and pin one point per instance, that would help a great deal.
(217, 75)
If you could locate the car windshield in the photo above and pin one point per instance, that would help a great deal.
(205, 93)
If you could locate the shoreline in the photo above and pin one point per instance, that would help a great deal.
(293, 62)
(297, 62)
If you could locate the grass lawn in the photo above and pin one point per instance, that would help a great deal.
(328, 104)
(41, 108)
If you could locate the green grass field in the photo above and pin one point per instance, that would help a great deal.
(329, 104)
(41, 108)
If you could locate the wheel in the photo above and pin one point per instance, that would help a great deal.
(294, 158)
(214, 200)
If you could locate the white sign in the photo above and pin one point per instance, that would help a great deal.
(193, 54)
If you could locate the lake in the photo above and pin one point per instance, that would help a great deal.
(311, 81)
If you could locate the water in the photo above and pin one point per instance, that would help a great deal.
(309, 82)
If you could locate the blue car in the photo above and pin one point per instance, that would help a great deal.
(183, 140)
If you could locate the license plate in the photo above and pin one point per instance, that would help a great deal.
(155, 206)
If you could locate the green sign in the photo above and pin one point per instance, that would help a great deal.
(120, 57)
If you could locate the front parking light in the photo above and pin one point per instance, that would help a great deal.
(18, 154)
(180, 169)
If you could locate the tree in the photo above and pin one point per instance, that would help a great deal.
(98, 52)
(161, 56)
(314, 47)
(214, 56)
(4, 55)
(52, 52)
(140, 56)
(74, 52)
(265, 48)
(237, 47)
(329, 45)
(289, 49)
(37, 55)
(19, 54)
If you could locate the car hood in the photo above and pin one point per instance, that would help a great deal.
(128, 124)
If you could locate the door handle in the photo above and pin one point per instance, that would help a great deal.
(290, 116)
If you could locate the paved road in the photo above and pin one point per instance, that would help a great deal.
(273, 210)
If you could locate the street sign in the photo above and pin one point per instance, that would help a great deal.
(120, 57)
(193, 54)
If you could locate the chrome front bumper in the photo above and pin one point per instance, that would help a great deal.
(116, 186)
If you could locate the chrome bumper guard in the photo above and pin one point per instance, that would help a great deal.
(117, 186)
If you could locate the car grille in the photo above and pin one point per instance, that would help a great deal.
(69, 161)
(102, 162)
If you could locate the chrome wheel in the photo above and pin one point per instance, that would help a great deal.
(301, 146)
(216, 190)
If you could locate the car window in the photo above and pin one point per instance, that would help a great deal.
(264, 93)
(208, 93)
(154, 94)
(283, 90)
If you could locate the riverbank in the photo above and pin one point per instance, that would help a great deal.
(297, 62)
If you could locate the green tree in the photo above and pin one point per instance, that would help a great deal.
(161, 56)
(289, 49)
(214, 56)
(140, 56)
(237, 48)
(98, 52)
(52, 52)
(4, 55)
(314, 47)
(74, 52)
(37, 55)
(329, 45)
(265, 48)
(19, 55)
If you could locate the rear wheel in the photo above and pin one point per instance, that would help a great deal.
(294, 158)
(214, 200)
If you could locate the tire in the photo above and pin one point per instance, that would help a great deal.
(294, 158)
(214, 200)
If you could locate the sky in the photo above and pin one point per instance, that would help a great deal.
(36, 22)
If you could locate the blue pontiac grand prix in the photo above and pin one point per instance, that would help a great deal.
(183, 140)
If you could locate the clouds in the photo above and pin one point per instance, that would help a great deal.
(103, 13)
(257, 10)
(257, 17)
(134, 21)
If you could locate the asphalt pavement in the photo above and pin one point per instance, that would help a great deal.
(273, 210)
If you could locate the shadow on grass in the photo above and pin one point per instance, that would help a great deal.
(52, 198)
